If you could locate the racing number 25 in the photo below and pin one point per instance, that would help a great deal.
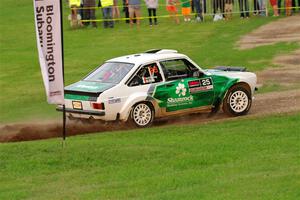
(205, 82)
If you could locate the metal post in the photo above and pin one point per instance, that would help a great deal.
(63, 68)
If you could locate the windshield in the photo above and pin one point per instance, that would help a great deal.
(110, 72)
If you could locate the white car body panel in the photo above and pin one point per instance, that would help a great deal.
(120, 99)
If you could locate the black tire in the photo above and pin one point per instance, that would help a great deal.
(142, 114)
(237, 101)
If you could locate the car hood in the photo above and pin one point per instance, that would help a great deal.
(90, 87)
(247, 77)
(231, 74)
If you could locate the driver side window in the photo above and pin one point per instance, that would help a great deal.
(146, 75)
(177, 69)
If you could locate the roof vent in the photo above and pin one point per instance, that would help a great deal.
(161, 51)
(152, 50)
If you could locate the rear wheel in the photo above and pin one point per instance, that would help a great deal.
(142, 115)
(237, 101)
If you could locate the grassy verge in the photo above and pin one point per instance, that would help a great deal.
(241, 159)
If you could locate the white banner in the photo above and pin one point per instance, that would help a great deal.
(48, 35)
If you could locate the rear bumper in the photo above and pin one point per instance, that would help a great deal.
(84, 112)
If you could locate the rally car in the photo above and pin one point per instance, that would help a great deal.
(157, 83)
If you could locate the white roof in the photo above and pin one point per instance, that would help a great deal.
(141, 58)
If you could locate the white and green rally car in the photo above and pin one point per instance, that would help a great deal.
(155, 84)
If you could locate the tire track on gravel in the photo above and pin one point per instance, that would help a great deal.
(263, 104)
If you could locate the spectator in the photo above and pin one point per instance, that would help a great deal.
(80, 10)
(218, 4)
(288, 9)
(279, 6)
(262, 7)
(116, 11)
(287, 4)
(192, 6)
(126, 11)
(198, 8)
(89, 13)
(256, 8)
(152, 6)
(244, 8)
(186, 10)
(204, 6)
(172, 9)
(134, 7)
(295, 6)
(228, 9)
(74, 17)
(107, 13)
(275, 7)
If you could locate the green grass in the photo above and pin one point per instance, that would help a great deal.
(22, 92)
(238, 159)
(271, 86)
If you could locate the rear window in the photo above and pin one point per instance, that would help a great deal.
(110, 72)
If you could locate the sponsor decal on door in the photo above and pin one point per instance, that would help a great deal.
(200, 85)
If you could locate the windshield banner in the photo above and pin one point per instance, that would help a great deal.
(48, 35)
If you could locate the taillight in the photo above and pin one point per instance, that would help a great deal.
(99, 106)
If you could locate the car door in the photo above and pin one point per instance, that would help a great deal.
(185, 87)
(145, 79)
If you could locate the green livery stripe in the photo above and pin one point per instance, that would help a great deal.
(77, 97)
(192, 92)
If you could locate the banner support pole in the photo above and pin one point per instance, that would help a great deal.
(63, 68)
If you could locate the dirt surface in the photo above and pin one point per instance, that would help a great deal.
(264, 104)
(283, 30)
(288, 75)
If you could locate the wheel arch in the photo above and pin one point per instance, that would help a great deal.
(131, 102)
(130, 117)
(150, 103)
(245, 86)
(241, 83)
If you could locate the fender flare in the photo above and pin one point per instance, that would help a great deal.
(131, 101)
(242, 83)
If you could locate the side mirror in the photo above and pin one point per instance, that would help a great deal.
(197, 74)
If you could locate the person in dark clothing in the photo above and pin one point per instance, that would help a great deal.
(198, 8)
(255, 7)
(107, 11)
(89, 14)
(294, 5)
(218, 4)
(279, 6)
(126, 11)
(192, 6)
(80, 11)
(152, 6)
(204, 6)
(244, 8)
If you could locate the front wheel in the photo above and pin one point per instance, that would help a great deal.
(142, 115)
(238, 101)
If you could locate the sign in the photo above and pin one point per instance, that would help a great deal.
(48, 34)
